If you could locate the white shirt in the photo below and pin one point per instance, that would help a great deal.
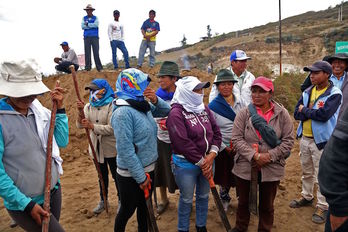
(115, 31)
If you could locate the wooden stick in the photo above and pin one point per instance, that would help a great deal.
(48, 176)
(151, 219)
(95, 161)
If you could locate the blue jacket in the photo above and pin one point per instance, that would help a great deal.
(323, 114)
(136, 136)
(91, 29)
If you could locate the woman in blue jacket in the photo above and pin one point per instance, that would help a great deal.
(136, 134)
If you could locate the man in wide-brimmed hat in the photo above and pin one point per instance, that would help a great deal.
(90, 24)
(24, 125)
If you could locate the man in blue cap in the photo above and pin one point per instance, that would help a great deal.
(68, 58)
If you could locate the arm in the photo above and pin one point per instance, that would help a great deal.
(217, 137)
(61, 128)
(83, 24)
(110, 31)
(71, 55)
(298, 115)
(94, 25)
(160, 109)
(122, 33)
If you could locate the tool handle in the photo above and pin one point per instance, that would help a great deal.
(148, 187)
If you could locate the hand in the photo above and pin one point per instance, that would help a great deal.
(207, 166)
(145, 184)
(85, 123)
(57, 59)
(336, 222)
(230, 151)
(151, 95)
(37, 213)
(300, 108)
(58, 95)
(265, 158)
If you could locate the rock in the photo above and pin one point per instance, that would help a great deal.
(89, 214)
(84, 211)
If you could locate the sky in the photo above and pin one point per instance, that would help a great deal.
(34, 29)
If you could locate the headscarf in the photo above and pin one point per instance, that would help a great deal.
(131, 84)
(184, 95)
(105, 90)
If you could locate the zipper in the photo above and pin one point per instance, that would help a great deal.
(205, 133)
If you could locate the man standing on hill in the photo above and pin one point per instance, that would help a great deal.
(241, 89)
(115, 32)
(90, 25)
(149, 29)
(68, 58)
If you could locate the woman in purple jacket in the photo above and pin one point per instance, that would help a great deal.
(195, 141)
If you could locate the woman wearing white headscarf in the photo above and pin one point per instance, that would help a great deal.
(195, 140)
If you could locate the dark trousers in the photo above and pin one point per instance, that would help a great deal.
(105, 174)
(342, 228)
(267, 193)
(27, 223)
(132, 198)
(94, 43)
(64, 66)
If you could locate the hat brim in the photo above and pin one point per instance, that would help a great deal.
(243, 58)
(92, 86)
(15, 89)
(220, 81)
(336, 57)
(311, 69)
(262, 86)
(89, 9)
(202, 85)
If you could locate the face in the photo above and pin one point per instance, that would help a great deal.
(89, 12)
(338, 67)
(199, 91)
(116, 16)
(65, 48)
(167, 83)
(319, 77)
(225, 88)
(152, 15)
(259, 96)
(21, 104)
(239, 66)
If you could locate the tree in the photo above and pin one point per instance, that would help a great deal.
(208, 31)
(183, 41)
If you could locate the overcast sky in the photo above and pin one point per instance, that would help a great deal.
(34, 29)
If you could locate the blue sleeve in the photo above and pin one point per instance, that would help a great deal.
(83, 26)
(94, 25)
(122, 122)
(61, 130)
(143, 27)
(161, 109)
(324, 113)
(8, 191)
(157, 27)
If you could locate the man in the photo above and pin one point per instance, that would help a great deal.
(168, 75)
(116, 36)
(333, 176)
(241, 89)
(90, 25)
(68, 58)
(149, 29)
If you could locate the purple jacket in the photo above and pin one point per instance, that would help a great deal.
(192, 135)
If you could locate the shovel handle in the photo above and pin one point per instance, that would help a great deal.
(148, 187)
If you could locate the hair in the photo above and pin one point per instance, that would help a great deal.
(152, 11)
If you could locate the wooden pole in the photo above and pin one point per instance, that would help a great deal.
(280, 39)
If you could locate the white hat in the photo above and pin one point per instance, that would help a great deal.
(20, 79)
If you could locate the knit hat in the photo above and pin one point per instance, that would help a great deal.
(225, 75)
(20, 79)
(169, 68)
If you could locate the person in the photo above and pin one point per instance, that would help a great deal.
(90, 27)
(68, 58)
(135, 130)
(116, 37)
(333, 176)
(224, 109)
(210, 67)
(267, 125)
(241, 89)
(24, 126)
(149, 29)
(168, 75)
(339, 63)
(97, 119)
(317, 110)
(196, 140)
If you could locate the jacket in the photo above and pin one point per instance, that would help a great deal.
(324, 113)
(102, 133)
(136, 135)
(244, 136)
(193, 135)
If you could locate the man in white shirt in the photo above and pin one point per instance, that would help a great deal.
(68, 58)
(116, 36)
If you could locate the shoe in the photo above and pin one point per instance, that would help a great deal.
(225, 204)
(235, 230)
(319, 216)
(99, 208)
(118, 207)
(201, 229)
(300, 203)
(162, 207)
(13, 223)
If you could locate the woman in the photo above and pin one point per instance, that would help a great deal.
(224, 108)
(196, 140)
(267, 125)
(136, 133)
(24, 126)
(97, 119)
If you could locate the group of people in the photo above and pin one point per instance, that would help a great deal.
(90, 27)
(170, 139)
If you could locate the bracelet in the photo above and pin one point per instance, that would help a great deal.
(257, 157)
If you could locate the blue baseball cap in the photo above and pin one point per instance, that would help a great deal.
(64, 43)
(239, 55)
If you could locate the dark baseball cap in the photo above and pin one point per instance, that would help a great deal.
(319, 66)
(64, 43)
(116, 12)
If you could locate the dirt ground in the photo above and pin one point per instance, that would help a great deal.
(81, 192)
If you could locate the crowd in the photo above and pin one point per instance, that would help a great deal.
(169, 139)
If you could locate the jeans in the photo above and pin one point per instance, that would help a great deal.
(187, 179)
(111, 162)
(64, 66)
(94, 43)
(144, 45)
(120, 45)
